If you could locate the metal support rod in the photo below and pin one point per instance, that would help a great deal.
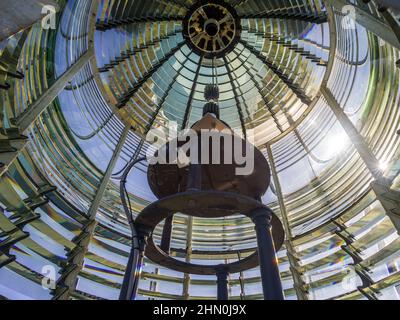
(222, 283)
(130, 284)
(114, 159)
(194, 177)
(270, 276)
(29, 116)
(129, 280)
(241, 281)
(189, 240)
(355, 137)
(366, 154)
(33, 112)
(299, 283)
(85, 237)
(133, 270)
(167, 234)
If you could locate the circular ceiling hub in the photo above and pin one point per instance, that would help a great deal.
(212, 28)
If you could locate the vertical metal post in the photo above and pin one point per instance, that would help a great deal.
(222, 283)
(29, 116)
(129, 277)
(133, 271)
(194, 177)
(299, 283)
(368, 157)
(130, 284)
(355, 137)
(83, 240)
(270, 276)
(189, 234)
(241, 280)
(33, 112)
(167, 234)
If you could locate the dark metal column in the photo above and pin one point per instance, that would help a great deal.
(222, 283)
(130, 284)
(299, 284)
(82, 241)
(167, 234)
(189, 242)
(194, 178)
(358, 141)
(140, 235)
(270, 277)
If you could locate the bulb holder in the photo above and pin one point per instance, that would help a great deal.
(211, 107)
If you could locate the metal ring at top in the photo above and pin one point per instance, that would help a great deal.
(212, 28)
